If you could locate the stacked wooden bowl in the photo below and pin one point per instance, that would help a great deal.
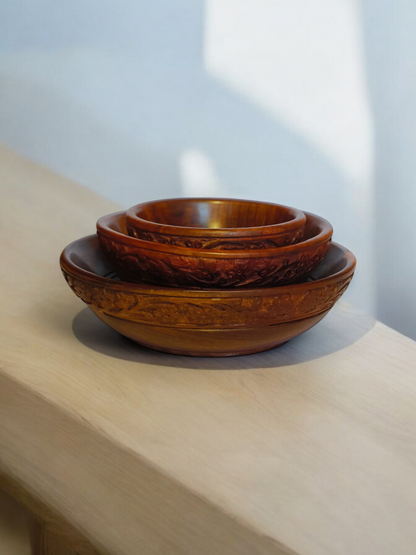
(209, 277)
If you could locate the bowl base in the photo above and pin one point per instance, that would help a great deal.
(210, 342)
(211, 354)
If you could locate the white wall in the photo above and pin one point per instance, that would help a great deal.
(294, 101)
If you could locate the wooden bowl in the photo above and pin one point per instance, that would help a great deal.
(150, 262)
(205, 322)
(220, 224)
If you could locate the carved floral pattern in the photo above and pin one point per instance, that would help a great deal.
(213, 312)
(145, 265)
(287, 238)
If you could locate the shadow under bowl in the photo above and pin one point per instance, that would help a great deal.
(215, 223)
(142, 261)
(209, 323)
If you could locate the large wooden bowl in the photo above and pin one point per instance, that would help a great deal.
(150, 262)
(201, 322)
(220, 224)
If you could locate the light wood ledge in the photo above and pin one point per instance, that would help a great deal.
(309, 449)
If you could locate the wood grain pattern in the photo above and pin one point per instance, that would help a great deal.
(150, 262)
(46, 543)
(14, 532)
(309, 449)
(48, 529)
(220, 224)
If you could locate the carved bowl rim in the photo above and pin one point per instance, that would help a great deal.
(113, 226)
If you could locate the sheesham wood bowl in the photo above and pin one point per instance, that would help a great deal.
(200, 322)
(212, 223)
(155, 263)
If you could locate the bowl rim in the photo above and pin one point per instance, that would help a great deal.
(297, 221)
(73, 269)
(324, 235)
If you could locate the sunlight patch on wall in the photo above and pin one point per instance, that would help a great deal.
(198, 175)
(301, 61)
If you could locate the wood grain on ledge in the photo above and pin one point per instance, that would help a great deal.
(308, 449)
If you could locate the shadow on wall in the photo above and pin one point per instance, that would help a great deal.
(390, 41)
(113, 96)
(67, 136)
(115, 106)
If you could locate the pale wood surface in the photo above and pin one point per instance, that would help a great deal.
(309, 449)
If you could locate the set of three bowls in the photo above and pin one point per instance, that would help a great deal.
(209, 277)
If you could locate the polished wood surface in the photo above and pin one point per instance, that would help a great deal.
(213, 223)
(160, 264)
(308, 449)
(205, 322)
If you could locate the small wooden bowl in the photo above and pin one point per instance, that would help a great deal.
(150, 262)
(220, 224)
(205, 322)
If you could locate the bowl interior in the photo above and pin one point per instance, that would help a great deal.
(214, 214)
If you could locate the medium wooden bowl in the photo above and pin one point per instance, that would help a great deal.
(220, 224)
(150, 262)
(205, 322)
